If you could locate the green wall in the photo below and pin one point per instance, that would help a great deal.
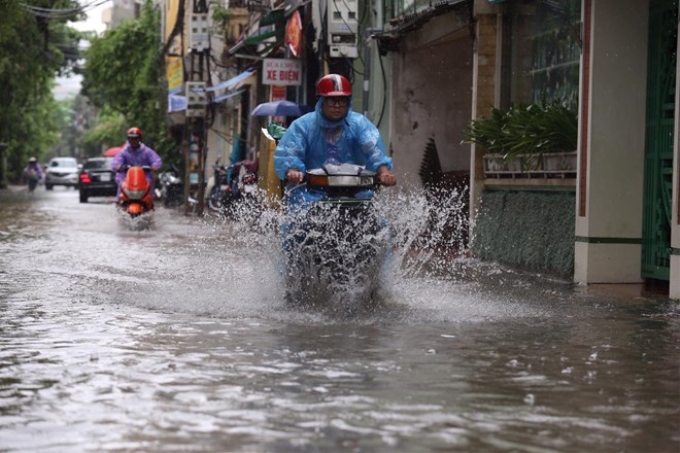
(527, 230)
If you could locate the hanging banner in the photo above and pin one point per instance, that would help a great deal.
(293, 36)
(174, 70)
(174, 74)
(280, 71)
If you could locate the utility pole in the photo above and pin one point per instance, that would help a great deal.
(195, 124)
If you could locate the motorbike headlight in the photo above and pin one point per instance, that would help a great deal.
(322, 180)
(134, 194)
(344, 181)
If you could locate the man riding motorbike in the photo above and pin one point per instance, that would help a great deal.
(331, 135)
(135, 153)
(33, 173)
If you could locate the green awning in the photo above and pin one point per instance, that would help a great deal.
(256, 39)
(272, 17)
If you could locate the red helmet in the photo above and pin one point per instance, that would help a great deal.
(134, 132)
(333, 85)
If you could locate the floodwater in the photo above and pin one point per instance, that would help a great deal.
(176, 338)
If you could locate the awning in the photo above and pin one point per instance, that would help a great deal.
(227, 96)
(178, 103)
(273, 17)
(233, 81)
(248, 47)
(260, 37)
(407, 23)
(259, 42)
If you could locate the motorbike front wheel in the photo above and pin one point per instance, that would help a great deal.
(217, 202)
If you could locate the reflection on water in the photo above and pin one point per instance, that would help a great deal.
(176, 338)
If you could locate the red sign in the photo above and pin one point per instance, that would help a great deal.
(294, 33)
(278, 93)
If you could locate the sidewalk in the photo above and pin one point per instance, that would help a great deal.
(13, 192)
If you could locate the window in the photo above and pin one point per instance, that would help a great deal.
(545, 51)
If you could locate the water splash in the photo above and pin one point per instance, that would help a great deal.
(426, 232)
(141, 222)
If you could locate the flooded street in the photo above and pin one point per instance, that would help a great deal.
(176, 338)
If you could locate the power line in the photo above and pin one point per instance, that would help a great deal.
(61, 13)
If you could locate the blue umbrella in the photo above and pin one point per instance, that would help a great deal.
(280, 108)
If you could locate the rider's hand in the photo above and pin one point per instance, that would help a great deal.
(294, 176)
(385, 177)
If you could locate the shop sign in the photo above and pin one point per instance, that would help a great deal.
(281, 71)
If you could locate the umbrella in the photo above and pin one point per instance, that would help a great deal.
(112, 152)
(280, 108)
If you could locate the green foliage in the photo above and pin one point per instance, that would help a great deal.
(107, 132)
(124, 74)
(220, 14)
(33, 50)
(526, 129)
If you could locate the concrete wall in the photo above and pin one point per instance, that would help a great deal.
(432, 95)
(528, 230)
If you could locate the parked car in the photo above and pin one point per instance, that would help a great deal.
(61, 171)
(96, 179)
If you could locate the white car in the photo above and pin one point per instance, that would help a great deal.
(61, 171)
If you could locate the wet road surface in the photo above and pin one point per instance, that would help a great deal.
(176, 338)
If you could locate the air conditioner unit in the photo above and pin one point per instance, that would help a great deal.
(343, 27)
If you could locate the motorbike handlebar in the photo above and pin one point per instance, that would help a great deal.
(146, 168)
(305, 179)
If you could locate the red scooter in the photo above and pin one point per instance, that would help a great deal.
(136, 197)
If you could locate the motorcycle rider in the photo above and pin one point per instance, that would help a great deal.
(33, 169)
(331, 134)
(33, 173)
(334, 134)
(135, 153)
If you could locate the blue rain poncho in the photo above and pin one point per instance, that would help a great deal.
(312, 141)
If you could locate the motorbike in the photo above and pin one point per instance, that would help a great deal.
(32, 179)
(170, 187)
(335, 245)
(136, 197)
(234, 192)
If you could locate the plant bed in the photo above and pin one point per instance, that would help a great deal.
(546, 165)
(527, 141)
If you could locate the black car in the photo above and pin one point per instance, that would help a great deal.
(96, 179)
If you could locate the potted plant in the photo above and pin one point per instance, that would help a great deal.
(539, 137)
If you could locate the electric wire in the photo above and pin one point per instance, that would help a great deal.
(61, 13)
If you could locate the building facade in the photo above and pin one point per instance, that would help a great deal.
(422, 71)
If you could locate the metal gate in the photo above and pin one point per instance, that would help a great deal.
(656, 235)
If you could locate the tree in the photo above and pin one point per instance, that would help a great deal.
(35, 46)
(124, 74)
